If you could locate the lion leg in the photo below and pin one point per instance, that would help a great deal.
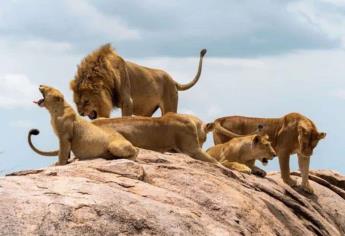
(284, 160)
(237, 166)
(169, 102)
(127, 106)
(256, 170)
(303, 163)
(64, 152)
(200, 155)
(123, 149)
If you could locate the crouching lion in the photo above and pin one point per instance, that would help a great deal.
(290, 134)
(105, 80)
(240, 153)
(84, 139)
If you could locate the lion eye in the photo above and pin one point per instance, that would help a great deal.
(87, 102)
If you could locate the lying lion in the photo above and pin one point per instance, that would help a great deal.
(290, 134)
(105, 80)
(171, 132)
(240, 153)
(84, 139)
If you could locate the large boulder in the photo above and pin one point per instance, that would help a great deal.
(166, 194)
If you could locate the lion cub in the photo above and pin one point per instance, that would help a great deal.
(84, 139)
(240, 153)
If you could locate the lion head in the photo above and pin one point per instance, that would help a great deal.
(95, 82)
(308, 137)
(263, 148)
(52, 99)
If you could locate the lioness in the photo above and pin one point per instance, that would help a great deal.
(84, 139)
(105, 80)
(171, 132)
(290, 134)
(240, 153)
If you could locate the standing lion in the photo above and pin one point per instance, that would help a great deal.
(105, 80)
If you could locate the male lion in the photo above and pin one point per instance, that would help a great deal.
(290, 134)
(240, 153)
(105, 80)
(84, 139)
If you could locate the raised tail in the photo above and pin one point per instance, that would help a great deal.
(36, 132)
(182, 87)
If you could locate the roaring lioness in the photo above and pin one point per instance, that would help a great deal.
(105, 80)
(290, 134)
(75, 134)
(240, 153)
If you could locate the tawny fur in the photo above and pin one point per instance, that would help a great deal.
(75, 134)
(290, 134)
(105, 80)
(240, 153)
(171, 132)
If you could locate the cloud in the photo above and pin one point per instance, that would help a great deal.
(112, 26)
(327, 16)
(75, 23)
(144, 28)
(228, 29)
(16, 90)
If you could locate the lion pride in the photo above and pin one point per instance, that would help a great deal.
(104, 80)
(290, 134)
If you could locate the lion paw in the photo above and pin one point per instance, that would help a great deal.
(259, 172)
(308, 188)
(291, 182)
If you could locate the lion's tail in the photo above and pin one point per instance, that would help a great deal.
(36, 132)
(209, 127)
(182, 87)
(219, 128)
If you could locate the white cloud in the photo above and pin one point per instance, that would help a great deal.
(16, 90)
(327, 16)
(97, 22)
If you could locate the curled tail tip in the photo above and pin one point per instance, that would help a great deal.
(34, 132)
(203, 52)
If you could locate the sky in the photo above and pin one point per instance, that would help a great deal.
(265, 58)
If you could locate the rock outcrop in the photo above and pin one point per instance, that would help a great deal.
(166, 194)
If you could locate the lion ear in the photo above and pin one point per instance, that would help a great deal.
(322, 135)
(256, 139)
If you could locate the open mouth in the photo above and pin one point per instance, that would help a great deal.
(264, 161)
(40, 102)
(93, 115)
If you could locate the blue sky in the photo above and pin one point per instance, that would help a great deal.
(265, 58)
